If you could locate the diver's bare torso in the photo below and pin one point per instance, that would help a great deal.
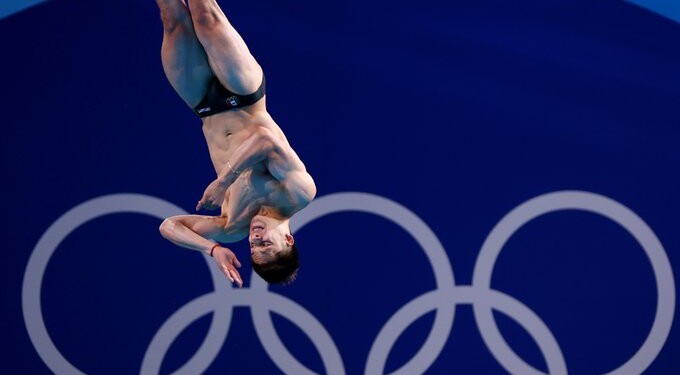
(258, 173)
(255, 187)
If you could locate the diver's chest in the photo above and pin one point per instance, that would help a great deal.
(253, 187)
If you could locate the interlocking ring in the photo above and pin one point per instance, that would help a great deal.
(443, 299)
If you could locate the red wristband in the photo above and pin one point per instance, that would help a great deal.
(213, 248)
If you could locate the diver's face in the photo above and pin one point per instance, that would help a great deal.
(268, 236)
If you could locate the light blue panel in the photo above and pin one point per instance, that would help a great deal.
(667, 8)
(9, 7)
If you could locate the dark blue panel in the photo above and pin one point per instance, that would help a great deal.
(457, 111)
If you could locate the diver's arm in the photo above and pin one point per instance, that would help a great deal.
(280, 160)
(250, 152)
(276, 155)
(255, 149)
(262, 147)
(195, 232)
(300, 188)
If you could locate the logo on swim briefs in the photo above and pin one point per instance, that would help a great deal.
(206, 109)
(232, 100)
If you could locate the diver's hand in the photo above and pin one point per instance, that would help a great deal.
(213, 196)
(226, 260)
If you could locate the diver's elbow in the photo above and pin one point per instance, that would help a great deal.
(167, 228)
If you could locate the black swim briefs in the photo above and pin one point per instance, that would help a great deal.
(219, 99)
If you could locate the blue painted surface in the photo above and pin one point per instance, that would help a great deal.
(457, 111)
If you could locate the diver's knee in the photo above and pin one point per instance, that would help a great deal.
(175, 18)
(207, 18)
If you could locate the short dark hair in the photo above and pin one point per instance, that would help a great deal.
(283, 270)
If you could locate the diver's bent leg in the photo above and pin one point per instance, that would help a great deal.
(228, 54)
(184, 60)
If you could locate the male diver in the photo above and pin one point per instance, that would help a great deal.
(261, 182)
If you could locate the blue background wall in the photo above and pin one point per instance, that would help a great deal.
(457, 111)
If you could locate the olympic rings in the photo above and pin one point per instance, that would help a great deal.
(443, 299)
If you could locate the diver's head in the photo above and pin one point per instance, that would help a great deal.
(273, 253)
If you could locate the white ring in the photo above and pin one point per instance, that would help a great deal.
(436, 255)
(47, 245)
(443, 299)
(577, 200)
